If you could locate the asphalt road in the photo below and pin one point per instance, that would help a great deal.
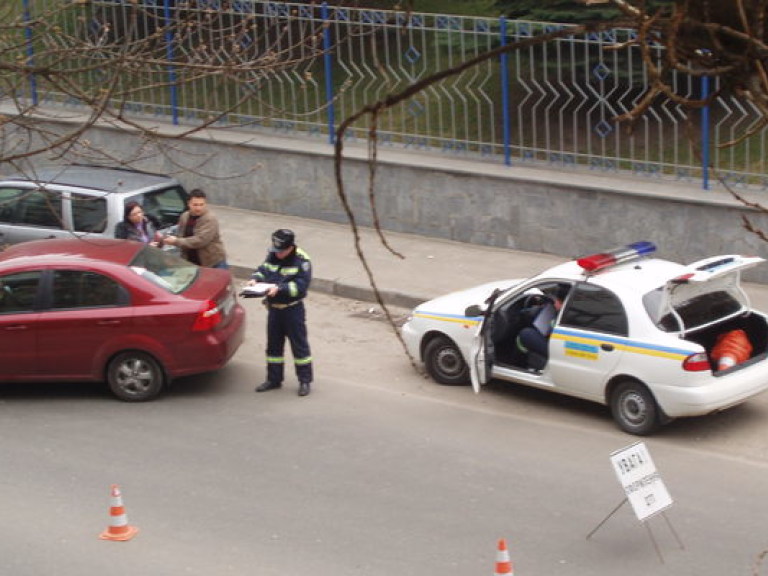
(378, 472)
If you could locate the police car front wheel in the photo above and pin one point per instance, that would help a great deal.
(444, 362)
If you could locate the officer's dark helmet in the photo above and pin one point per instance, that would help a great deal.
(282, 239)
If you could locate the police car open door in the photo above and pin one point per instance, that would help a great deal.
(482, 354)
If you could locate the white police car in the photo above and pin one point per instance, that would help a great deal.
(631, 331)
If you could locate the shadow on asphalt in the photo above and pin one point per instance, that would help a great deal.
(37, 391)
(731, 421)
(201, 385)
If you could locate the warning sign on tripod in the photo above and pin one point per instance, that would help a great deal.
(643, 488)
(642, 483)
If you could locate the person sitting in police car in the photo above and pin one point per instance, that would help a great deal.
(533, 340)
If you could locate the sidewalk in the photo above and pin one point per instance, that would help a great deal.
(431, 267)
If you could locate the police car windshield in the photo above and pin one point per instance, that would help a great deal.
(164, 269)
(700, 310)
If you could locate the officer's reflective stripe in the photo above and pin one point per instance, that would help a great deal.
(275, 359)
(292, 271)
(301, 253)
(303, 361)
(293, 290)
(271, 267)
(520, 345)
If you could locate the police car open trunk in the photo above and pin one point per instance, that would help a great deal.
(753, 325)
(706, 304)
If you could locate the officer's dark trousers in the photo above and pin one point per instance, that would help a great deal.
(288, 323)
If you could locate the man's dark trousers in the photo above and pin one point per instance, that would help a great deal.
(288, 323)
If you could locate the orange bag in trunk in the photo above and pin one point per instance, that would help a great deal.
(731, 348)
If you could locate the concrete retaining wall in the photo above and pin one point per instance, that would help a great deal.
(536, 210)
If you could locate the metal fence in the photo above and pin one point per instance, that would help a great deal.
(300, 69)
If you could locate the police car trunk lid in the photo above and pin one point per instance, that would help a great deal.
(711, 275)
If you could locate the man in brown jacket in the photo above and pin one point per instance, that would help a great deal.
(198, 234)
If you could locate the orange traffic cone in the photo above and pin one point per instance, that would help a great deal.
(731, 348)
(503, 563)
(118, 528)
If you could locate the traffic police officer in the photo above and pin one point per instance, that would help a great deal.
(288, 268)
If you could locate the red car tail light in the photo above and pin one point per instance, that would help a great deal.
(208, 318)
(697, 362)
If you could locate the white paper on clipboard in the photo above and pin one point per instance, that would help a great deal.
(257, 290)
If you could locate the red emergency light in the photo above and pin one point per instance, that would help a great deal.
(627, 253)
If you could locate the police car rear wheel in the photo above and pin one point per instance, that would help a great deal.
(634, 408)
(444, 362)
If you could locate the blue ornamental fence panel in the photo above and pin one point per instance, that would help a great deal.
(301, 69)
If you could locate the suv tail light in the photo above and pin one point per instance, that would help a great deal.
(697, 362)
(208, 318)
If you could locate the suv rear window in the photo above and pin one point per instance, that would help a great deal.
(9, 199)
(89, 213)
(163, 206)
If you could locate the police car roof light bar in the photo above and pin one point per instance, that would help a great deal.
(634, 251)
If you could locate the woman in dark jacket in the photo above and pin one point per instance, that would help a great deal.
(136, 226)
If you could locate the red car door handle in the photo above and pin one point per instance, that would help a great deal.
(16, 327)
(108, 322)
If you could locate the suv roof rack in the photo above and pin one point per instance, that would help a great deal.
(121, 168)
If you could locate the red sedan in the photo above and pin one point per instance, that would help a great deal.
(115, 311)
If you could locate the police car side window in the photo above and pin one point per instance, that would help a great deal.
(594, 308)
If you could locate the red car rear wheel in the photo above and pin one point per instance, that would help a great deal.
(135, 376)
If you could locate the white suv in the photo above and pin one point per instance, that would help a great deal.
(83, 200)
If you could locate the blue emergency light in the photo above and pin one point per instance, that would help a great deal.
(634, 251)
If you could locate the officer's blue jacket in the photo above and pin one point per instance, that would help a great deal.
(292, 276)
